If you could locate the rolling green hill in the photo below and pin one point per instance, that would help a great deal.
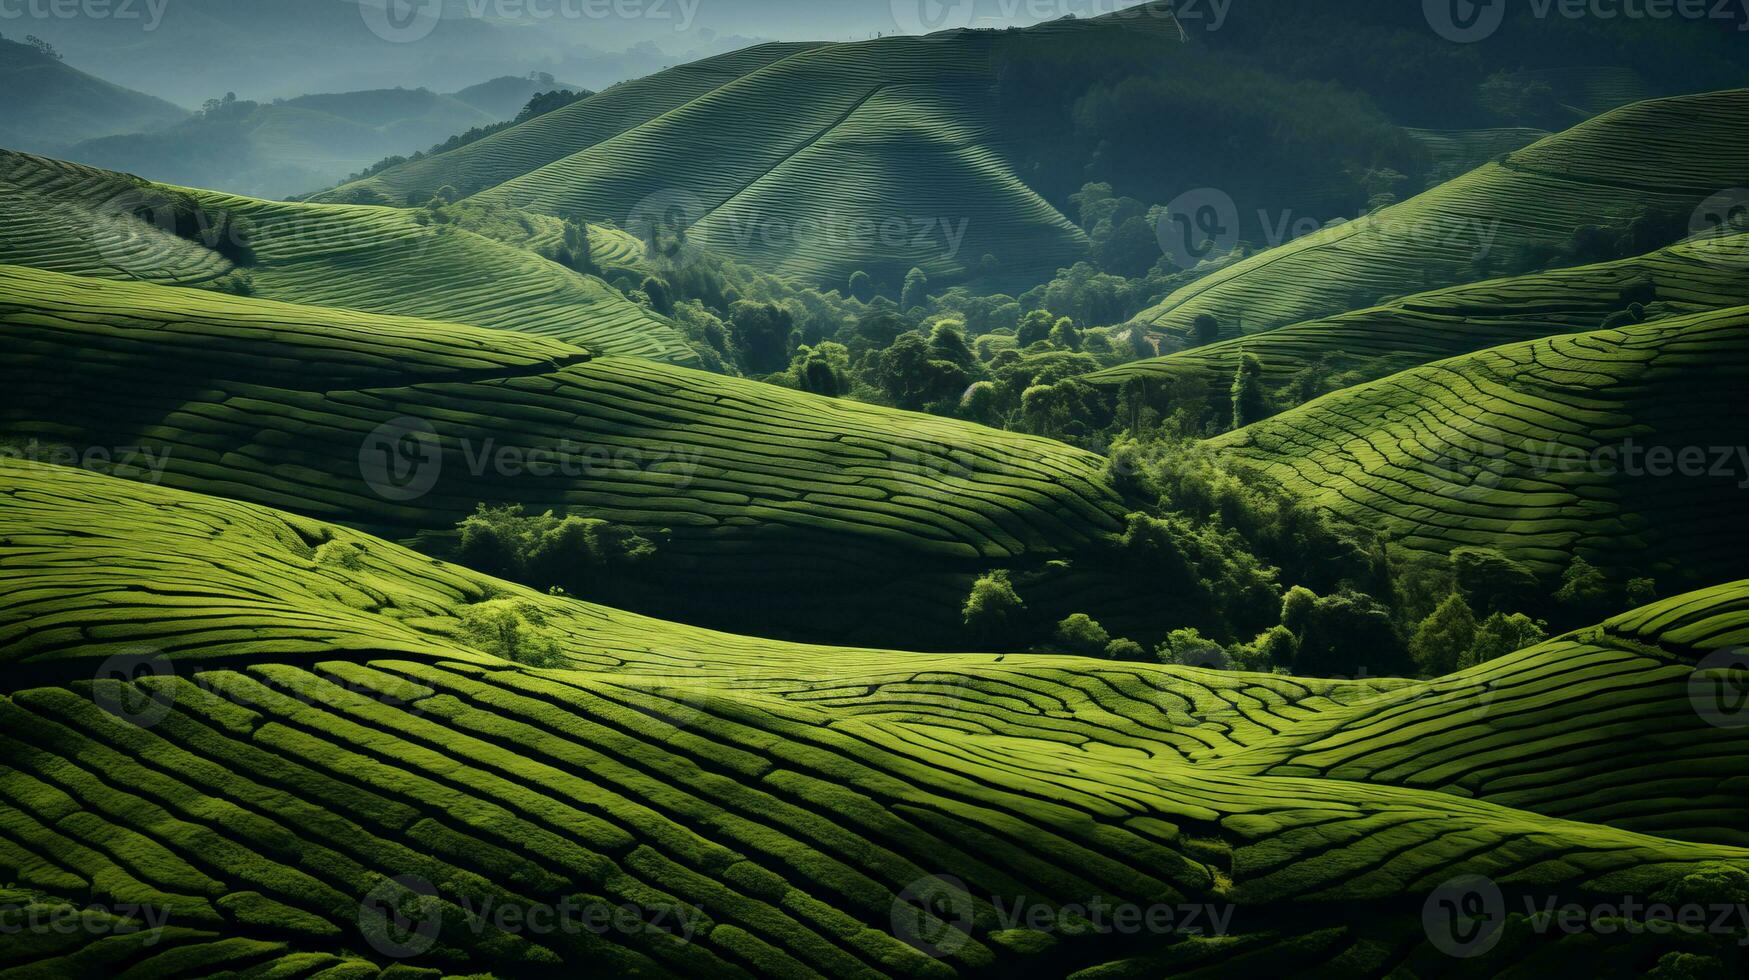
(1368, 344)
(503, 156)
(810, 515)
(1542, 449)
(814, 188)
(1659, 157)
(294, 146)
(50, 105)
(89, 222)
(307, 763)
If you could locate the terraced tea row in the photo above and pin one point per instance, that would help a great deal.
(1661, 157)
(73, 219)
(322, 803)
(750, 490)
(1623, 446)
(1366, 345)
(1611, 726)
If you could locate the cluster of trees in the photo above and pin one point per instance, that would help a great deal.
(998, 359)
(40, 46)
(1250, 578)
(572, 555)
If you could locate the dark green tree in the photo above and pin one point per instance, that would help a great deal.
(916, 292)
(1444, 638)
(862, 288)
(1250, 401)
(761, 333)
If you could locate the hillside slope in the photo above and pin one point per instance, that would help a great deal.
(1365, 345)
(807, 514)
(897, 157)
(315, 772)
(1575, 444)
(1662, 157)
(88, 222)
(50, 105)
(538, 142)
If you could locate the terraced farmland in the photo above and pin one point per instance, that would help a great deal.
(1619, 445)
(1667, 155)
(1365, 345)
(572, 129)
(813, 188)
(310, 730)
(749, 488)
(67, 218)
(817, 188)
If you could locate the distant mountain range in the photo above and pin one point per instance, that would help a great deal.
(295, 146)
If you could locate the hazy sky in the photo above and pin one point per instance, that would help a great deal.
(191, 50)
